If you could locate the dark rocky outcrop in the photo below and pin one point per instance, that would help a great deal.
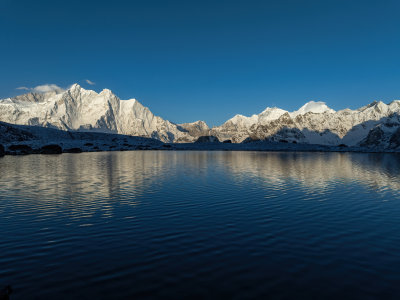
(395, 139)
(227, 142)
(207, 139)
(20, 149)
(51, 149)
(13, 133)
(373, 138)
(2, 151)
(250, 139)
(73, 150)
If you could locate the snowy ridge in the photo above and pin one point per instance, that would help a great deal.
(318, 107)
(316, 123)
(273, 113)
(77, 109)
(375, 125)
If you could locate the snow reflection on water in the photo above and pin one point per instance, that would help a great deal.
(167, 223)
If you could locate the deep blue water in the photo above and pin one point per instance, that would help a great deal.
(173, 225)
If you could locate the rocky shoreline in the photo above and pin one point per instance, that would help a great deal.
(23, 148)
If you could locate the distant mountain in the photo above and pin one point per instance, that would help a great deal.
(194, 129)
(315, 123)
(76, 109)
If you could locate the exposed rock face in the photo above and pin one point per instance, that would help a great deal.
(195, 130)
(12, 134)
(314, 124)
(85, 110)
(395, 139)
(77, 109)
(18, 139)
(266, 124)
(374, 137)
(383, 137)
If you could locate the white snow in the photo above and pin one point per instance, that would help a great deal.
(78, 109)
(318, 107)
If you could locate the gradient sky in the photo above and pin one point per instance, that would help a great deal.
(190, 60)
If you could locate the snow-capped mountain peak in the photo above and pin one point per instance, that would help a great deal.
(273, 113)
(317, 107)
(243, 120)
(86, 110)
(78, 109)
(313, 123)
(107, 92)
(75, 86)
(270, 114)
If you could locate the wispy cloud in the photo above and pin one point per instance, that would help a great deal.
(90, 82)
(47, 88)
(42, 88)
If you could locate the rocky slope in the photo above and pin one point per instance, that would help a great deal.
(25, 139)
(76, 109)
(315, 123)
(195, 129)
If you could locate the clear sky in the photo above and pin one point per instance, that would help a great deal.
(190, 60)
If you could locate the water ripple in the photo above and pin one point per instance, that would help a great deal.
(238, 225)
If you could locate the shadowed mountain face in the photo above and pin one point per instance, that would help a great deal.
(25, 139)
(76, 109)
(350, 127)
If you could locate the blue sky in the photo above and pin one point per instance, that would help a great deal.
(190, 60)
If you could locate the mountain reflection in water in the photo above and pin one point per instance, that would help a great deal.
(174, 224)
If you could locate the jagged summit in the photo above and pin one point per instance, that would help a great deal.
(314, 122)
(75, 86)
(273, 113)
(78, 109)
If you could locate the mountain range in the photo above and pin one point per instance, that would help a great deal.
(77, 109)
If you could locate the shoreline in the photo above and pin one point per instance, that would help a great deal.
(59, 147)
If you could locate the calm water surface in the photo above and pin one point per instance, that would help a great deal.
(236, 225)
